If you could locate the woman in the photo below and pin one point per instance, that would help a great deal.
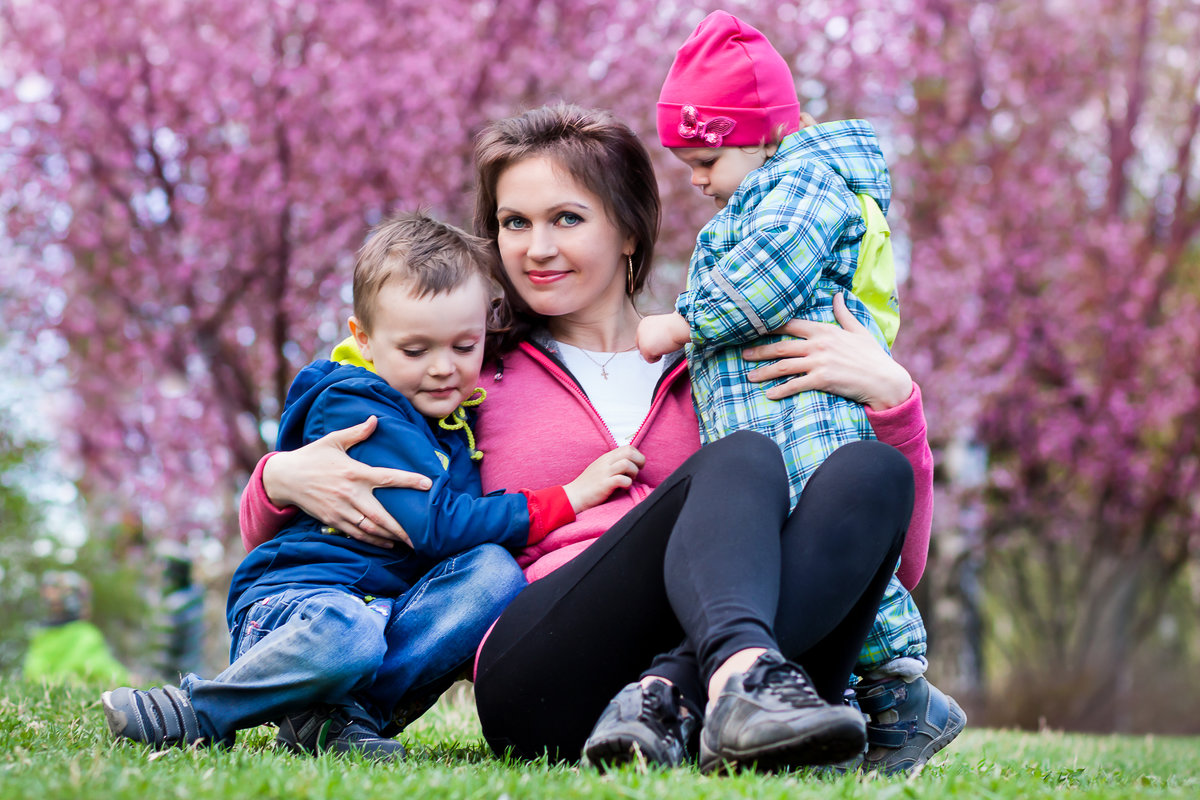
(695, 579)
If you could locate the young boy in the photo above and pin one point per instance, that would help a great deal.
(784, 243)
(322, 619)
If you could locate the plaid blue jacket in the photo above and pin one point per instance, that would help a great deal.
(782, 247)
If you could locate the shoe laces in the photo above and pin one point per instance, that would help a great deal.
(784, 679)
(659, 711)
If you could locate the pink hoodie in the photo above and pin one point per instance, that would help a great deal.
(537, 428)
(537, 423)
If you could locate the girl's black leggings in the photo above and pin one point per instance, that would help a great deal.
(709, 564)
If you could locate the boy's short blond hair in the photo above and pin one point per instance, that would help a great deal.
(430, 255)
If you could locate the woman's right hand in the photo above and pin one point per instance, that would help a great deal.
(329, 485)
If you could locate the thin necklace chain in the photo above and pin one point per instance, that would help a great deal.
(607, 361)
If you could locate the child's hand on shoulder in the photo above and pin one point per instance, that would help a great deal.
(614, 470)
(660, 334)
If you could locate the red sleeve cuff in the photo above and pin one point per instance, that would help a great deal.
(548, 509)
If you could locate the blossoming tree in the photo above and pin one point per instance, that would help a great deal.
(184, 185)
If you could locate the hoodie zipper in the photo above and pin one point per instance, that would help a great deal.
(564, 377)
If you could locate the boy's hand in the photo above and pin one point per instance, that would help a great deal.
(660, 334)
(616, 469)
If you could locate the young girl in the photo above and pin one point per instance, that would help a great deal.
(784, 243)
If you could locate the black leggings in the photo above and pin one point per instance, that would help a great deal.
(709, 564)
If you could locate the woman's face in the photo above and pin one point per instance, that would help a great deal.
(563, 254)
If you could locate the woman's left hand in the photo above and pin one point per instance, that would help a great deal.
(845, 361)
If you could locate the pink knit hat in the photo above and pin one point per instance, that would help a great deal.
(727, 87)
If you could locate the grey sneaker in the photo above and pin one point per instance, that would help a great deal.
(328, 729)
(773, 718)
(909, 723)
(157, 717)
(651, 720)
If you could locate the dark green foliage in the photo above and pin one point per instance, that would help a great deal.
(20, 521)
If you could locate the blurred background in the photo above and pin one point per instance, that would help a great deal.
(183, 185)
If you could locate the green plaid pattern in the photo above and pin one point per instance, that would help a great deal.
(785, 244)
(898, 630)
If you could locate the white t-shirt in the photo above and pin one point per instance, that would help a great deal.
(620, 386)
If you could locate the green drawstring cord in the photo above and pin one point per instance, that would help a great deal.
(458, 420)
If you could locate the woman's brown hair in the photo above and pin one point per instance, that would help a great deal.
(599, 152)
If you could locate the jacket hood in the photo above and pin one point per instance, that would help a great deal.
(308, 385)
(848, 147)
(305, 389)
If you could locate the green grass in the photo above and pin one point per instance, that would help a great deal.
(54, 744)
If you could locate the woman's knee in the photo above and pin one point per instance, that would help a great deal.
(880, 464)
(749, 456)
(869, 475)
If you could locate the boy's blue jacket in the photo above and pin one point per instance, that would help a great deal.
(449, 518)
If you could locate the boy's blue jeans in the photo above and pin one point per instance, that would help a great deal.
(307, 646)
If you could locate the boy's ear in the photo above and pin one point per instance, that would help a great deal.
(806, 119)
(361, 338)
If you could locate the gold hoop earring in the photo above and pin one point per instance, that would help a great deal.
(629, 272)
